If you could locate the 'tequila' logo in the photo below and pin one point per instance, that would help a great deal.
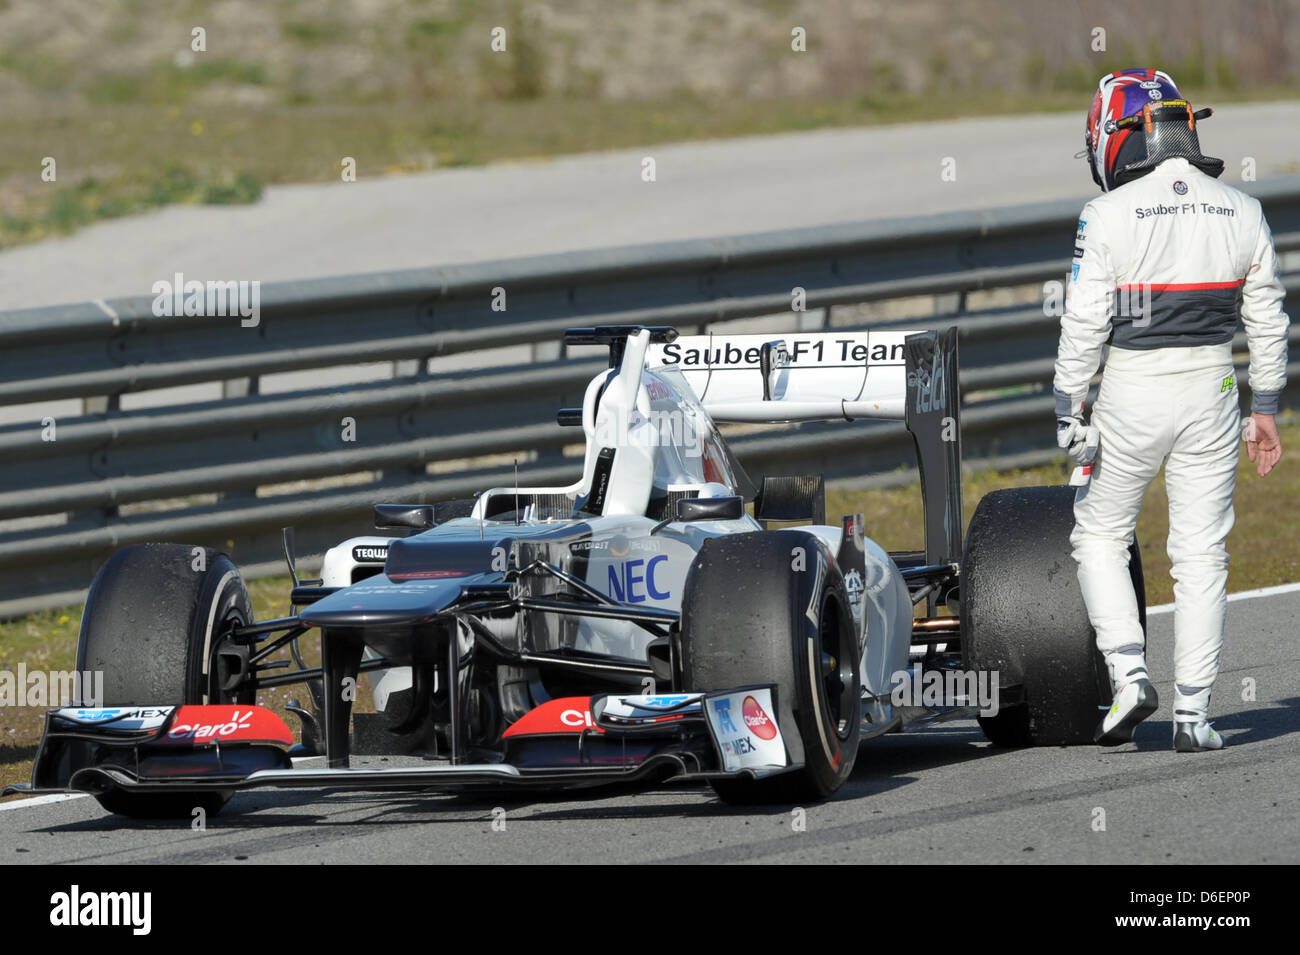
(929, 385)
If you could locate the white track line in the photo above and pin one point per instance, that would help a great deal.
(40, 800)
(1243, 595)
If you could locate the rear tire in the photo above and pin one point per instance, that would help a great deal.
(749, 618)
(1023, 616)
(150, 626)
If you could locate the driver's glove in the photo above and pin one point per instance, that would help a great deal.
(1075, 438)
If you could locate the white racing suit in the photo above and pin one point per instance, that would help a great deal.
(1162, 267)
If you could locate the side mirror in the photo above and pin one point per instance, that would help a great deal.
(710, 508)
(704, 509)
(415, 516)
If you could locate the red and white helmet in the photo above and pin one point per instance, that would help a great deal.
(1138, 120)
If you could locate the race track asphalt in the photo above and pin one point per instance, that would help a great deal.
(941, 795)
(597, 200)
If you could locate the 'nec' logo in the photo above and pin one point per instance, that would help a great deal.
(632, 581)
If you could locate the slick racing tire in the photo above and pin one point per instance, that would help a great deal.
(150, 625)
(771, 608)
(1023, 617)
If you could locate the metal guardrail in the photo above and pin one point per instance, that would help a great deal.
(66, 504)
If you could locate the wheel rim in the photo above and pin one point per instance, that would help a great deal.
(835, 645)
(233, 620)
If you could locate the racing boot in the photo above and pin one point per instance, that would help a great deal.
(1192, 732)
(1134, 698)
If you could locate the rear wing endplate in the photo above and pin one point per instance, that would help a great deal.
(933, 416)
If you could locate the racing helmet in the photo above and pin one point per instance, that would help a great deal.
(1138, 120)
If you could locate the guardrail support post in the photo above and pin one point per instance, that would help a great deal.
(100, 404)
(240, 387)
(817, 320)
(547, 351)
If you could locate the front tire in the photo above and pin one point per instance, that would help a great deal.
(154, 615)
(771, 608)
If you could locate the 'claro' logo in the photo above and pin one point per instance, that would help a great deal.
(756, 720)
(577, 718)
(239, 721)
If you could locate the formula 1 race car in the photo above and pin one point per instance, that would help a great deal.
(641, 624)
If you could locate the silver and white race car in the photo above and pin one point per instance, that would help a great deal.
(645, 623)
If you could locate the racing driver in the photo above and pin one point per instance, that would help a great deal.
(1164, 261)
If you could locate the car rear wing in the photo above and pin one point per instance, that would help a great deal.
(804, 377)
(816, 376)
